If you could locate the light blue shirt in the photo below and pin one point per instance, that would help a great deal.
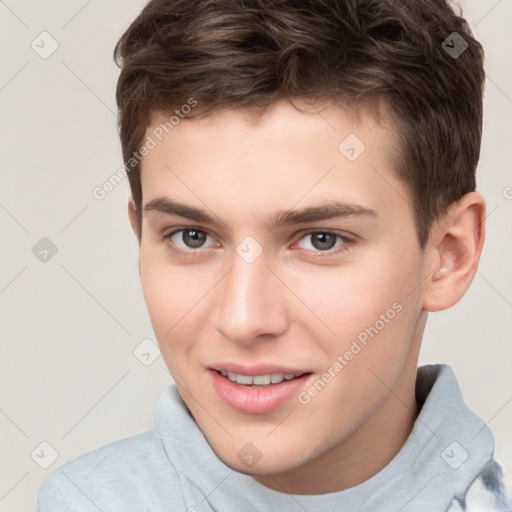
(445, 465)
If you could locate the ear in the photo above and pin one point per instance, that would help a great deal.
(132, 216)
(134, 221)
(454, 250)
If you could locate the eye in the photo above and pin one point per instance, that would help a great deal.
(323, 241)
(187, 238)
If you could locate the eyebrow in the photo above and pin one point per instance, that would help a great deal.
(323, 211)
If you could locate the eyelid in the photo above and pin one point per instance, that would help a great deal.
(167, 237)
(334, 232)
(347, 241)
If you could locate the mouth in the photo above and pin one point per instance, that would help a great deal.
(260, 380)
(256, 392)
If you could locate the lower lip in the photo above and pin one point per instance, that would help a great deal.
(256, 399)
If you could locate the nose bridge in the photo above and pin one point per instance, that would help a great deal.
(249, 304)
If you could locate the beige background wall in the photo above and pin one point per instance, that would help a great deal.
(69, 326)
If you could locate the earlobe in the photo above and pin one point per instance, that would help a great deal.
(455, 248)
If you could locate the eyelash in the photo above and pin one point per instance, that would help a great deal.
(345, 246)
(317, 253)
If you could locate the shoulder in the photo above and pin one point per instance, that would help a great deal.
(488, 492)
(128, 473)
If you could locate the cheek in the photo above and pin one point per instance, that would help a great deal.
(173, 298)
(161, 299)
(371, 312)
(350, 299)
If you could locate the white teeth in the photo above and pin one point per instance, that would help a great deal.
(244, 379)
(259, 380)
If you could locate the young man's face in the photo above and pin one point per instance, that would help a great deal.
(335, 298)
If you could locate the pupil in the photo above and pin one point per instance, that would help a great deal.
(323, 241)
(193, 238)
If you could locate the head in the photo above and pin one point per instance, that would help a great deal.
(303, 193)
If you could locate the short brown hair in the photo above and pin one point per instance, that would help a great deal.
(251, 53)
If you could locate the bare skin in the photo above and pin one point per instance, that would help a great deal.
(297, 303)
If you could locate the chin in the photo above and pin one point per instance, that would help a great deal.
(260, 468)
(260, 465)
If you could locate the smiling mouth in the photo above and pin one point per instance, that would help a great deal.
(257, 394)
(260, 380)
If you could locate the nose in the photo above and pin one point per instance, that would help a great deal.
(251, 303)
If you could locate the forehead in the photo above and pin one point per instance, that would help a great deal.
(276, 158)
(279, 125)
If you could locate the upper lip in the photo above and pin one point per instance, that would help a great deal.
(256, 369)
